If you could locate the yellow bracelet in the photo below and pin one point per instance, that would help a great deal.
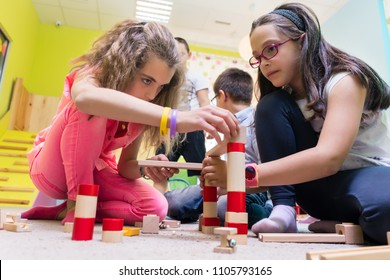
(164, 121)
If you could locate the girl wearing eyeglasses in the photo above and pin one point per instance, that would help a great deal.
(321, 128)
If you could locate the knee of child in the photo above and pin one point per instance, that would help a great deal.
(161, 208)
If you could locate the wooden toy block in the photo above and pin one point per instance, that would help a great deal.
(241, 239)
(239, 218)
(68, 227)
(170, 164)
(302, 237)
(131, 231)
(364, 253)
(112, 236)
(150, 224)
(17, 227)
(2, 218)
(346, 233)
(353, 233)
(13, 218)
(85, 212)
(225, 250)
(172, 223)
(218, 150)
(228, 243)
(200, 222)
(209, 208)
(112, 230)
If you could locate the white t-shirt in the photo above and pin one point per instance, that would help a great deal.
(194, 82)
(372, 144)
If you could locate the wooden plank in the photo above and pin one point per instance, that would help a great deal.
(302, 237)
(218, 150)
(170, 164)
(359, 252)
(373, 254)
(12, 155)
(13, 170)
(14, 201)
(20, 141)
(16, 189)
(20, 162)
(15, 148)
(43, 109)
(19, 101)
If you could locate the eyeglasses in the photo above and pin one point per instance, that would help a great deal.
(267, 53)
(214, 98)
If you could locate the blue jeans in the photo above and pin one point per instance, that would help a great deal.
(186, 205)
(360, 196)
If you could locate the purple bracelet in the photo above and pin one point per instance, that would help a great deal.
(172, 125)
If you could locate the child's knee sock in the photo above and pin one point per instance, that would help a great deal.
(281, 220)
(45, 212)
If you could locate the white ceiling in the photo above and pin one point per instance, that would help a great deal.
(212, 23)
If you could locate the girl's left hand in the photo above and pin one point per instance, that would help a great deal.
(159, 174)
(214, 172)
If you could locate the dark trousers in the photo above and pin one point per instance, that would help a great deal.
(359, 196)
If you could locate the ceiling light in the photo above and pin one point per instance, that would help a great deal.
(153, 10)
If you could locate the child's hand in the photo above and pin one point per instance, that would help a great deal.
(209, 118)
(214, 172)
(160, 174)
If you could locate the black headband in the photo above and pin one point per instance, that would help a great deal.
(291, 16)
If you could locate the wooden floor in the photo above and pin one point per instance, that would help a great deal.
(16, 188)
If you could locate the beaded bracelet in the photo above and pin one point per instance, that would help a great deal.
(172, 127)
(164, 121)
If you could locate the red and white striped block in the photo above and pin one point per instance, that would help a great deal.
(210, 218)
(112, 230)
(236, 216)
(85, 212)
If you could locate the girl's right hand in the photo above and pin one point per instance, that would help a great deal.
(210, 119)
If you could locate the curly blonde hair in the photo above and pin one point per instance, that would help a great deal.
(121, 52)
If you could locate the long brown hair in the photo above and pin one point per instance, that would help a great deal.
(320, 61)
(117, 56)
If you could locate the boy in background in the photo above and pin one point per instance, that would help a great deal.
(233, 91)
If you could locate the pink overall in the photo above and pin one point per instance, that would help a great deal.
(77, 149)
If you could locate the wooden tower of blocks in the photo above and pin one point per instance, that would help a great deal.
(210, 218)
(236, 216)
(85, 212)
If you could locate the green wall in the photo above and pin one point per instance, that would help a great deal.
(21, 23)
(56, 47)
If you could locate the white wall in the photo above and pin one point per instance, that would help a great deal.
(360, 29)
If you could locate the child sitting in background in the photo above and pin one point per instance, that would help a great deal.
(233, 91)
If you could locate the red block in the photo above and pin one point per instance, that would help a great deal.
(83, 228)
(241, 228)
(236, 202)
